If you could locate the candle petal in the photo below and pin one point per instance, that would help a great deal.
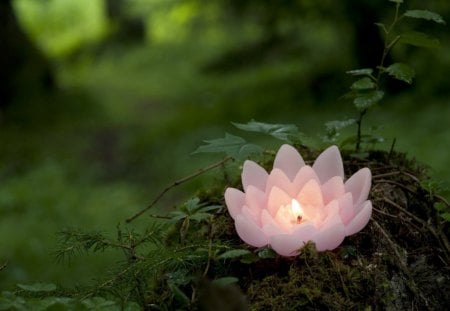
(346, 208)
(234, 200)
(333, 189)
(290, 244)
(255, 175)
(329, 164)
(329, 237)
(289, 161)
(305, 174)
(359, 185)
(360, 220)
(310, 197)
(277, 198)
(278, 178)
(249, 232)
(255, 198)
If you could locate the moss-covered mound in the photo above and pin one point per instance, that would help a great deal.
(400, 261)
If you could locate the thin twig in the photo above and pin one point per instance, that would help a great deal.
(444, 242)
(385, 181)
(386, 174)
(418, 219)
(176, 183)
(383, 213)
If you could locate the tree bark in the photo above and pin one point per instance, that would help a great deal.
(24, 70)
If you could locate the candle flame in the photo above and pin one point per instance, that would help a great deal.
(296, 207)
(297, 210)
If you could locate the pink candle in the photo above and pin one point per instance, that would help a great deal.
(297, 203)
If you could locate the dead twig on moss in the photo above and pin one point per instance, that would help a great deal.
(177, 183)
(440, 237)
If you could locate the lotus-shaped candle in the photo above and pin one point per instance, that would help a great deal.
(297, 203)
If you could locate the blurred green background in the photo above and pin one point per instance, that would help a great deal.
(103, 101)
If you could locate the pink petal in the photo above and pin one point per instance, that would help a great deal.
(346, 208)
(277, 198)
(329, 164)
(311, 195)
(255, 199)
(331, 211)
(329, 237)
(359, 185)
(271, 230)
(333, 189)
(234, 200)
(305, 174)
(254, 215)
(249, 232)
(255, 175)
(290, 244)
(267, 219)
(289, 161)
(360, 220)
(277, 178)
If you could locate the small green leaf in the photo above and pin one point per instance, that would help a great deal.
(440, 206)
(233, 146)
(98, 303)
(267, 253)
(279, 131)
(367, 100)
(361, 72)
(192, 204)
(211, 208)
(234, 253)
(425, 14)
(225, 281)
(38, 287)
(446, 216)
(338, 124)
(419, 39)
(200, 216)
(401, 72)
(363, 84)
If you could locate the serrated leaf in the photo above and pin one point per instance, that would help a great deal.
(192, 204)
(234, 146)
(363, 84)
(38, 287)
(200, 216)
(425, 14)
(225, 281)
(279, 131)
(211, 208)
(361, 72)
(367, 100)
(338, 124)
(401, 72)
(177, 215)
(234, 253)
(419, 39)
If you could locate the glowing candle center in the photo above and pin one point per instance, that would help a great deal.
(297, 210)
